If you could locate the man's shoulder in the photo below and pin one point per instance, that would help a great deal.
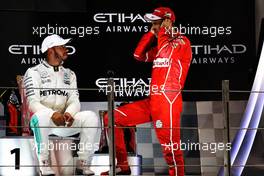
(34, 69)
(182, 40)
(185, 38)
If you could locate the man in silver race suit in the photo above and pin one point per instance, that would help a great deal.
(53, 99)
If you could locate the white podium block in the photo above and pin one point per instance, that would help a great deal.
(23, 153)
(100, 162)
(27, 162)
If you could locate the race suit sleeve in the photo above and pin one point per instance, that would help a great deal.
(32, 89)
(144, 52)
(73, 103)
(163, 38)
(186, 56)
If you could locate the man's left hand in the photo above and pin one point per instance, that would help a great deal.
(68, 119)
(167, 23)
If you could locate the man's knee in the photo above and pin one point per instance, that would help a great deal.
(119, 119)
(88, 117)
(106, 120)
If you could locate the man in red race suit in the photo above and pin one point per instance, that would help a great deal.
(171, 60)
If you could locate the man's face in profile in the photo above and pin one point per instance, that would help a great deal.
(156, 26)
(61, 51)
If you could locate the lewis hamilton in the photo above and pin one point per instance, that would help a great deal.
(53, 99)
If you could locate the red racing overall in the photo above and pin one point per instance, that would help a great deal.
(171, 60)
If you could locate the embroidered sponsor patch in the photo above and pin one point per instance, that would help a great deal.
(43, 81)
(43, 74)
(158, 124)
(161, 62)
(67, 76)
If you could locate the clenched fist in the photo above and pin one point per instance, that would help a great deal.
(167, 23)
(58, 119)
(68, 119)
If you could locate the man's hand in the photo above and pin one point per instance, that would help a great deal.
(166, 23)
(58, 119)
(154, 31)
(68, 119)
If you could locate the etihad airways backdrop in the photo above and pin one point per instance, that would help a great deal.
(104, 38)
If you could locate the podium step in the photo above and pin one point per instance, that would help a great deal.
(103, 159)
(24, 155)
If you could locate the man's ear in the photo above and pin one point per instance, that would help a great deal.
(49, 52)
